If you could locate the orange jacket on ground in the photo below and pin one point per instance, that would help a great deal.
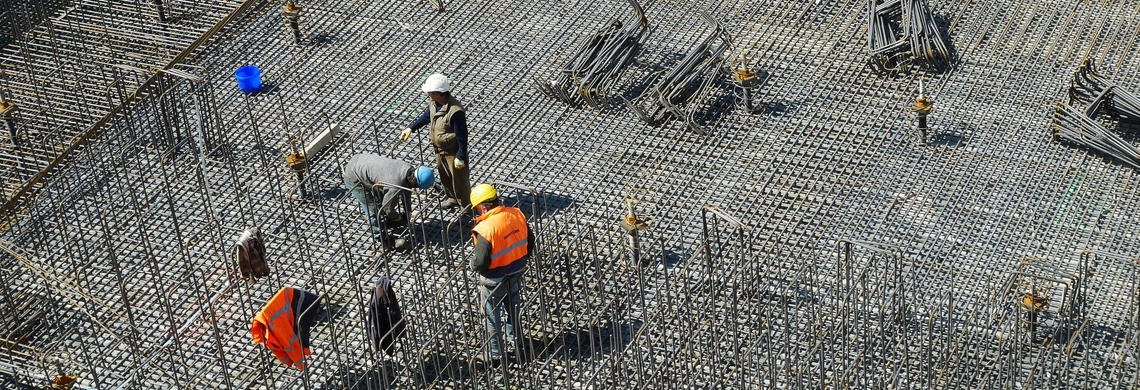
(283, 325)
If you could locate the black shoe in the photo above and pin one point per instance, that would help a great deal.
(448, 204)
(497, 361)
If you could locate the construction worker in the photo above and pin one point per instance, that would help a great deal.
(448, 135)
(503, 243)
(376, 182)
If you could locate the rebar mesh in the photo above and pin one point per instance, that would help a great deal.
(810, 244)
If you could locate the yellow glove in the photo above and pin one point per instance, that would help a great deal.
(460, 164)
(404, 135)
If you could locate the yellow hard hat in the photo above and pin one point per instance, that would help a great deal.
(482, 193)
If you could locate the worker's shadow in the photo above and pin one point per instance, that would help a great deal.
(435, 225)
(433, 367)
(541, 205)
(592, 342)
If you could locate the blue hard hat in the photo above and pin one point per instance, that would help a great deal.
(425, 177)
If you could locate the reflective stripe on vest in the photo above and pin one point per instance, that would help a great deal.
(288, 308)
(505, 229)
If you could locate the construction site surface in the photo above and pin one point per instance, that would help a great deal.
(725, 195)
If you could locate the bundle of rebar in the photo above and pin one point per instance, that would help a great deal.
(592, 71)
(901, 32)
(675, 95)
(1073, 125)
(1100, 95)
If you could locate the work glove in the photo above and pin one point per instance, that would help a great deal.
(404, 135)
(460, 164)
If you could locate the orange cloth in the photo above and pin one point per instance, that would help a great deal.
(274, 327)
(505, 229)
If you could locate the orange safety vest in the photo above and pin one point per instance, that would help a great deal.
(273, 326)
(505, 228)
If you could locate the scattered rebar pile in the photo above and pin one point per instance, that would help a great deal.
(590, 74)
(1101, 96)
(676, 95)
(901, 32)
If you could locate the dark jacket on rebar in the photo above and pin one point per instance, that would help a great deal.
(448, 132)
(367, 169)
(251, 256)
(283, 324)
(385, 319)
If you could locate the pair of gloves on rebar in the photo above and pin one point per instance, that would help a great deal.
(407, 133)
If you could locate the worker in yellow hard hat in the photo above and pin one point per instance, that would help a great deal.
(503, 243)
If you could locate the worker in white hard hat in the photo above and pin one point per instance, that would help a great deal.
(448, 135)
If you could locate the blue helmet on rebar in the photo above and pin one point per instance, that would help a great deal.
(424, 177)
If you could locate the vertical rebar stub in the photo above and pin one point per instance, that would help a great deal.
(747, 80)
(63, 382)
(631, 222)
(297, 164)
(292, 14)
(1033, 305)
(921, 108)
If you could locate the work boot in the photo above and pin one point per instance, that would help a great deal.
(448, 204)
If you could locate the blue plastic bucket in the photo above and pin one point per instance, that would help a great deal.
(248, 78)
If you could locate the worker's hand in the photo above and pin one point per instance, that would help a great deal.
(460, 164)
(404, 135)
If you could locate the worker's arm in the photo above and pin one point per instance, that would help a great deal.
(422, 121)
(459, 126)
(481, 259)
(388, 203)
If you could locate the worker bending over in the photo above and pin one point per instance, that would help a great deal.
(376, 182)
(448, 135)
(503, 243)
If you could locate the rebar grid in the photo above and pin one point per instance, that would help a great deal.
(134, 238)
(59, 73)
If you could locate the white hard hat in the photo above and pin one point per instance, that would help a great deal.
(436, 83)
